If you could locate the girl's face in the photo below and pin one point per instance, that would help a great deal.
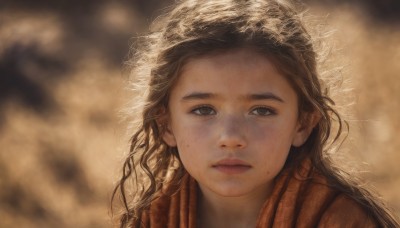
(233, 118)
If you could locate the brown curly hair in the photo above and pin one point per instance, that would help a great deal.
(197, 28)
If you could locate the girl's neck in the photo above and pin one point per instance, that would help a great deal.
(232, 212)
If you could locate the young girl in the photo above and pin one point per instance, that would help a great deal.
(236, 126)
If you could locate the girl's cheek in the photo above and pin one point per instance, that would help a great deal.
(193, 132)
(261, 130)
(202, 130)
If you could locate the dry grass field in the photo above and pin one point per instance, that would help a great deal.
(62, 82)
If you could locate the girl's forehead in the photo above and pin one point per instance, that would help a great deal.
(238, 72)
(245, 55)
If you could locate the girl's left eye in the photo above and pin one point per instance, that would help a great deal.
(262, 111)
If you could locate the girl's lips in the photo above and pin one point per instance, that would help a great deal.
(231, 166)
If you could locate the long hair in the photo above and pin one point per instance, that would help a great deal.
(196, 28)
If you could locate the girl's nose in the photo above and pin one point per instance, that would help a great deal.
(232, 134)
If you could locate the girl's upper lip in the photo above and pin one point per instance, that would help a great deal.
(231, 162)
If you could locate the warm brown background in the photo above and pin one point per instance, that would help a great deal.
(61, 86)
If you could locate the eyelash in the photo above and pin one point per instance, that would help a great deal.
(198, 110)
(210, 111)
(269, 111)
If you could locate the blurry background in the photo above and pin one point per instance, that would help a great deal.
(61, 87)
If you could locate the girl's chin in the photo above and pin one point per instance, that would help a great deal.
(234, 190)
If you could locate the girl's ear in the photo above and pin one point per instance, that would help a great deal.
(165, 129)
(305, 128)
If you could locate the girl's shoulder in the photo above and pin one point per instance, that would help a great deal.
(308, 197)
(344, 211)
(339, 209)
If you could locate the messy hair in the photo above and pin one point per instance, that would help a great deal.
(196, 28)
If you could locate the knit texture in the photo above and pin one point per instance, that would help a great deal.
(299, 199)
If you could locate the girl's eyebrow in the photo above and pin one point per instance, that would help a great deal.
(264, 96)
(256, 96)
(198, 96)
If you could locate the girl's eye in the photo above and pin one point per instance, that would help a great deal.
(203, 111)
(262, 111)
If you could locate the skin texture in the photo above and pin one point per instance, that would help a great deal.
(233, 118)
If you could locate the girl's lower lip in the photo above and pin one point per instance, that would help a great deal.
(232, 169)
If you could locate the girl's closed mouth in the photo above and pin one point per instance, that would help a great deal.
(232, 166)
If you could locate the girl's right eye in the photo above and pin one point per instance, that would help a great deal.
(203, 111)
